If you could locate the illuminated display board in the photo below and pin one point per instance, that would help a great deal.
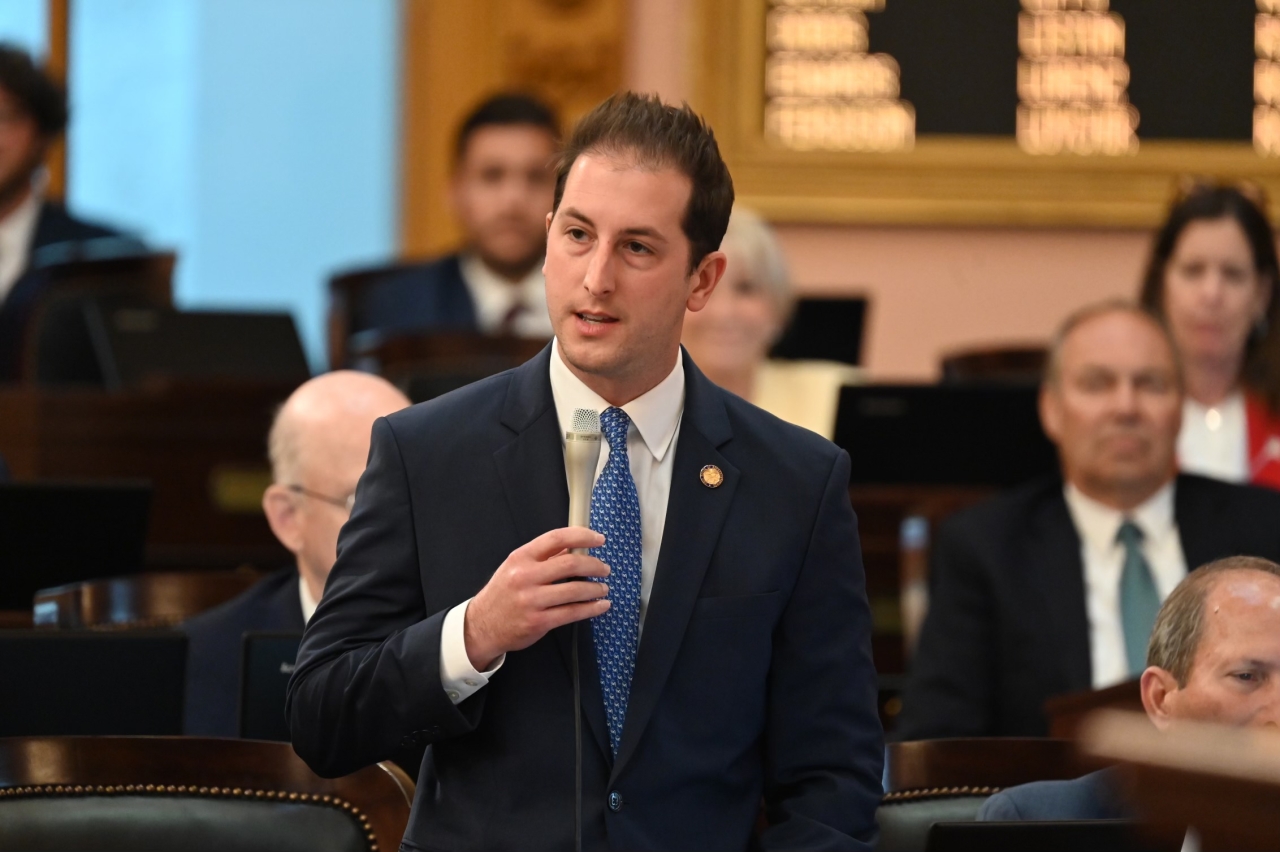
(990, 111)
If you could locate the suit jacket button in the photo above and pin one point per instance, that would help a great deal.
(615, 801)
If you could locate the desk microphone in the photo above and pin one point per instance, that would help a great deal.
(581, 457)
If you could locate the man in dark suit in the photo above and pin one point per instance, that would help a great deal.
(1214, 657)
(500, 192)
(318, 445)
(724, 661)
(33, 114)
(1053, 588)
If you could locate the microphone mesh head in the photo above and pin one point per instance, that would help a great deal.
(586, 420)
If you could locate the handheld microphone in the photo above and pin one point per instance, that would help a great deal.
(581, 456)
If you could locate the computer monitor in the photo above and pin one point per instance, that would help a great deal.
(91, 683)
(53, 533)
(266, 664)
(824, 330)
(943, 435)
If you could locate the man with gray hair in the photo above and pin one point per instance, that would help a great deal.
(318, 445)
(1054, 587)
(1214, 656)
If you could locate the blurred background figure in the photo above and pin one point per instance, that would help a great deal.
(33, 115)
(318, 446)
(1214, 657)
(1212, 276)
(1053, 588)
(730, 338)
(501, 193)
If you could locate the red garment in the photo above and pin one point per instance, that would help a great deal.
(1263, 426)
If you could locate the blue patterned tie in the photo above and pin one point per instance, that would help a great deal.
(615, 512)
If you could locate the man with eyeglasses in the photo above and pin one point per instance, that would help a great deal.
(318, 445)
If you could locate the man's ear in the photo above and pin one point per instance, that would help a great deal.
(1159, 689)
(281, 509)
(705, 278)
(1050, 412)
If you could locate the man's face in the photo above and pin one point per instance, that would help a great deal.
(1235, 678)
(1115, 407)
(617, 270)
(21, 146)
(502, 189)
(331, 461)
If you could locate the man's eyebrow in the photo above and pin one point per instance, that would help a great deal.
(636, 231)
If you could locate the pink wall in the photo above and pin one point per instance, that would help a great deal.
(932, 290)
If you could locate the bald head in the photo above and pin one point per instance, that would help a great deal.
(327, 410)
(318, 445)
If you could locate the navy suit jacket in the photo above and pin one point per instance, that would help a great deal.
(417, 297)
(1007, 627)
(1089, 797)
(214, 650)
(54, 225)
(753, 678)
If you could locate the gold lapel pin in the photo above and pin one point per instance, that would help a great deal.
(711, 476)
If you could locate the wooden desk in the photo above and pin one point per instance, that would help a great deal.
(203, 448)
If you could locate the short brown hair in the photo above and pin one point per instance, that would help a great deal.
(658, 135)
(1176, 634)
(1053, 361)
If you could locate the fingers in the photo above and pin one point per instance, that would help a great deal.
(568, 565)
(566, 538)
(546, 597)
(569, 613)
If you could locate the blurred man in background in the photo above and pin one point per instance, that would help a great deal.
(1054, 587)
(318, 446)
(1214, 657)
(501, 193)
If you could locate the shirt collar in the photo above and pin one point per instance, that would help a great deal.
(309, 603)
(655, 413)
(495, 294)
(1098, 524)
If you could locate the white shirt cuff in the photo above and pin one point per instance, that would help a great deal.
(458, 677)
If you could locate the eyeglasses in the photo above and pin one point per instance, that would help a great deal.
(341, 502)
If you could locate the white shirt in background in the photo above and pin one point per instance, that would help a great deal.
(1214, 440)
(651, 449)
(16, 232)
(309, 603)
(1103, 560)
(495, 296)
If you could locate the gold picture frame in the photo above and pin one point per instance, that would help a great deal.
(943, 180)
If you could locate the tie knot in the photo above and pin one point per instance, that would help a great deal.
(1130, 534)
(614, 423)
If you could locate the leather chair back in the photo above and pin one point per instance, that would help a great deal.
(947, 780)
(171, 794)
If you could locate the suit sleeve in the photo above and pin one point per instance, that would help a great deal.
(367, 684)
(1002, 807)
(951, 688)
(824, 746)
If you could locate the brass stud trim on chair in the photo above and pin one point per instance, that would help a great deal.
(936, 793)
(325, 800)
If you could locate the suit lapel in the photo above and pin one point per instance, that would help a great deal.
(1200, 532)
(531, 468)
(1055, 552)
(695, 515)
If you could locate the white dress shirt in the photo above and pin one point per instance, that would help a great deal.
(309, 603)
(16, 232)
(651, 449)
(1103, 559)
(495, 296)
(1214, 440)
